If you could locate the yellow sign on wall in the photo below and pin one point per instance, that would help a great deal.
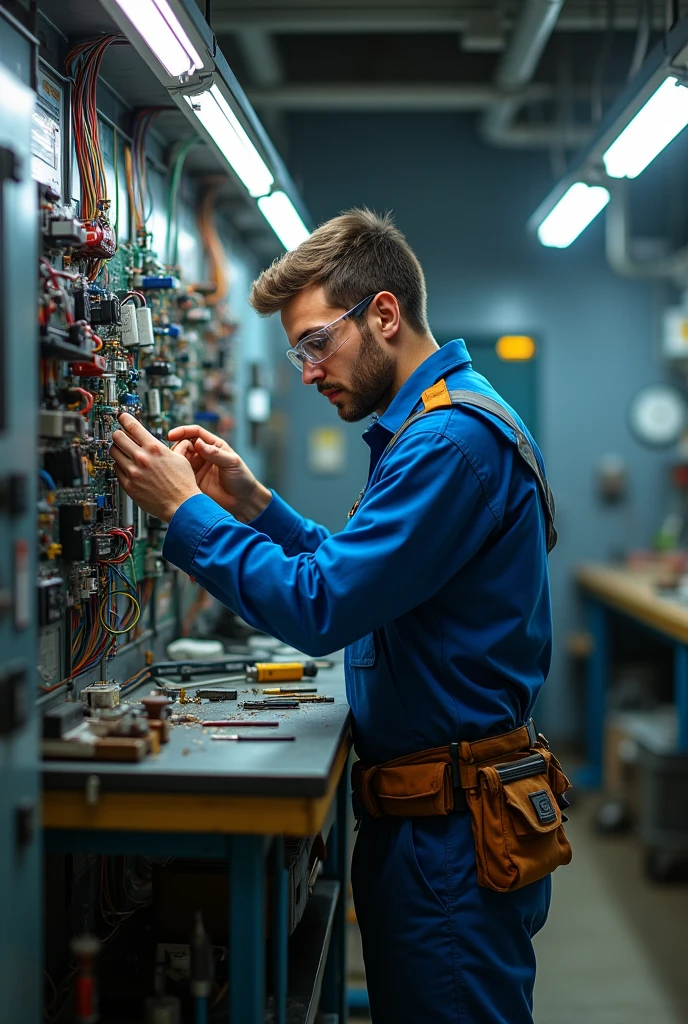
(516, 348)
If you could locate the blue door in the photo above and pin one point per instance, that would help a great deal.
(515, 381)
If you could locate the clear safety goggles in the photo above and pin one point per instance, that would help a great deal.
(316, 347)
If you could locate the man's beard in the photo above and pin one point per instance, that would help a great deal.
(372, 379)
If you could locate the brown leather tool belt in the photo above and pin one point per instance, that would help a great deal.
(431, 782)
(511, 784)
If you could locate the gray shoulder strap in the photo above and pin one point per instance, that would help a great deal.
(525, 448)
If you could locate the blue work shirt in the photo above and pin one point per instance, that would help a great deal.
(438, 585)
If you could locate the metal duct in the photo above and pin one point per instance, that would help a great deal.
(529, 38)
(619, 246)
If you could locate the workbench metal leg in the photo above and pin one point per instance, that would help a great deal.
(247, 930)
(336, 866)
(681, 693)
(596, 696)
(280, 933)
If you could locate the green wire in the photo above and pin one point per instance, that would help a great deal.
(172, 200)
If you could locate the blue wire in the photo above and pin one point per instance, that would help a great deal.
(201, 1015)
(47, 479)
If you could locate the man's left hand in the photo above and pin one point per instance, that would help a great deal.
(158, 479)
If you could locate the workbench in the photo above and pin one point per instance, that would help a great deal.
(632, 594)
(235, 801)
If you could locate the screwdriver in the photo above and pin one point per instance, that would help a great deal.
(252, 739)
(262, 671)
(307, 698)
(275, 704)
(289, 691)
(250, 723)
(267, 672)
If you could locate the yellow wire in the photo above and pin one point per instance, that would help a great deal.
(115, 159)
(122, 593)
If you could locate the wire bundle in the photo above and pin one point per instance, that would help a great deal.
(83, 63)
(98, 623)
(139, 199)
(212, 246)
(87, 58)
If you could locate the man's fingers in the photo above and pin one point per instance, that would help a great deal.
(135, 430)
(123, 445)
(184, 448)
(192, 431)
(224, 458)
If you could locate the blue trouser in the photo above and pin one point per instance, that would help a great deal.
(438, 949)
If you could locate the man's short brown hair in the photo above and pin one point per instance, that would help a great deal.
(351, 256)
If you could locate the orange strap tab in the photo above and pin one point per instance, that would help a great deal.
(436, 397)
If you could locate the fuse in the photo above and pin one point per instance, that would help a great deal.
(130, 330)
(144, 324)
(154, 406)
(110, 390)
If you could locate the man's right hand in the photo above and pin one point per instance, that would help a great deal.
(221, 473)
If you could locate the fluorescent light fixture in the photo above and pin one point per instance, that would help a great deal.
(226, 131)
(654, 126)
(572, 214)
(282, 217)
(157, 24)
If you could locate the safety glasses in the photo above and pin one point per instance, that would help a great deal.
(316, 347)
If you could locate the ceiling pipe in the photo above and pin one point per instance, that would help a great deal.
(375, 96)
(529, 38)
(261, 56)
(619, 245)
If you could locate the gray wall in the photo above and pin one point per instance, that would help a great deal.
(463, 207)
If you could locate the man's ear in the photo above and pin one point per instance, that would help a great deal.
(385, 308)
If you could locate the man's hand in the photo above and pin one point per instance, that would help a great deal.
(158, 479)
(221, 473)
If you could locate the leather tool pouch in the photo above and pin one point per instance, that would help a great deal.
(517, 821)
(404, 791)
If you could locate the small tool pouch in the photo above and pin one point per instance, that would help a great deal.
(516, 818)
(403, 791)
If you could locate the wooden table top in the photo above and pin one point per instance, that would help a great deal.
(634, 592)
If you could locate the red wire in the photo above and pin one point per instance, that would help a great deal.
(89, 400)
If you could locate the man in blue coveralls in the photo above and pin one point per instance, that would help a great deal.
(437, 587)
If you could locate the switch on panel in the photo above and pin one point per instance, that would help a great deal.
(14, 494)
(14, 700)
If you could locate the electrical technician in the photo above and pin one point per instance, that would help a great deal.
(438, 588)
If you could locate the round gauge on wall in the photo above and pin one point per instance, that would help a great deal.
(657, 415)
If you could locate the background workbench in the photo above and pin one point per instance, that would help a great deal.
(234, 801)
(632, 594)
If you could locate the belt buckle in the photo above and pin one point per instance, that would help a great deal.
(535, 737)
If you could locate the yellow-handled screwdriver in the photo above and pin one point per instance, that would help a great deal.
(281, 672)
(273, 672)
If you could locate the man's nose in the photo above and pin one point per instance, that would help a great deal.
(312, 373)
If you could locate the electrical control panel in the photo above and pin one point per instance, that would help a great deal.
(119, 330)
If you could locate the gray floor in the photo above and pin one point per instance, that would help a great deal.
(615, 949)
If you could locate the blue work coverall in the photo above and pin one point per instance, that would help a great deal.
(438, 588)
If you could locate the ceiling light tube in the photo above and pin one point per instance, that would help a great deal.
(224, 128)
(282, 217)
(159, 27)
(579, 205)
(654, 126)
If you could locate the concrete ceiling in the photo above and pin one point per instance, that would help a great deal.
(539, 72)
